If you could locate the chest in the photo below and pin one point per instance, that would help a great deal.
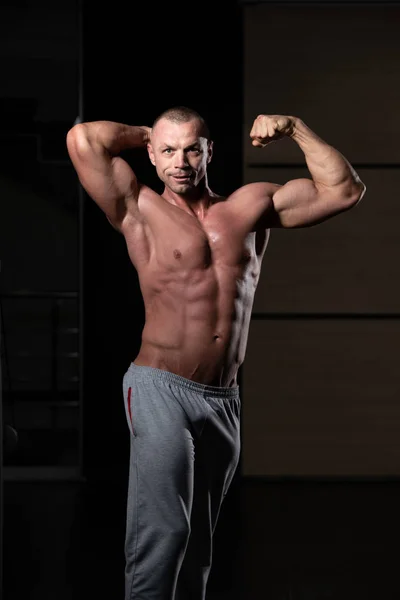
(190, 244)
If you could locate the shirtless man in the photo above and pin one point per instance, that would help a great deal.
(198, 258)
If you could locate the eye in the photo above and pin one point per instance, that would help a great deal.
(167, 151)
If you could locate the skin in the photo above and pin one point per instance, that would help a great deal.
(198, 255)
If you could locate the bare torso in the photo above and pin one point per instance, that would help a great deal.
(198, 279)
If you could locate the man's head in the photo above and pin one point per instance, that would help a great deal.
(180, 148)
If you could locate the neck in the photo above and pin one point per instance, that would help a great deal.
(196, 201)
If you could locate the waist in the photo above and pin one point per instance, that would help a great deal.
(208, 365)
(144, 372)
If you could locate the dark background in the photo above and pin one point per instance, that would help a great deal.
(64, 487)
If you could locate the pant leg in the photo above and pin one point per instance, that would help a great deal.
(160, 492)
(217, 455)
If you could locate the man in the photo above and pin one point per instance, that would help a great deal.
(198, 258)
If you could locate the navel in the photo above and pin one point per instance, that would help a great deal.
(177, 254)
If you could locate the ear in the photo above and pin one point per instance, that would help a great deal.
(151, 154)
(210, 150)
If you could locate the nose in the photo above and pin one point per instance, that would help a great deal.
(180, 160)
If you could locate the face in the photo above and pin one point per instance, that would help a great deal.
(180, 154)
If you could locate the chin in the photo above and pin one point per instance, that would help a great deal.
(182, 188)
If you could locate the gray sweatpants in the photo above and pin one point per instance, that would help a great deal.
(185, 444)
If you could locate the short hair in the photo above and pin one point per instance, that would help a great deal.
(183, 114)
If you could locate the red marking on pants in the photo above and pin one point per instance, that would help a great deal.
(129, 405)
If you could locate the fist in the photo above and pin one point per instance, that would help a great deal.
(269, 128)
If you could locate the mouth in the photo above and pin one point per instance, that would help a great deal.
(181, 178)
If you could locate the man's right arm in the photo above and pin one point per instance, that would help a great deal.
(94, 149)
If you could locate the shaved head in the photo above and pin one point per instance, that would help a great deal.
(182, 114)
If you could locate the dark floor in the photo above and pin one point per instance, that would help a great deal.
(275, 541)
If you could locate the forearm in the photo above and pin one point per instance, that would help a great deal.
(109, 136)
(327, 166)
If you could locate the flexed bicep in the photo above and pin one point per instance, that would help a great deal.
(334, 186)
(302, 203)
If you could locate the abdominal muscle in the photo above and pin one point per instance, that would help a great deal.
(196, 323)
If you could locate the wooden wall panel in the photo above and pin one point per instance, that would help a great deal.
(336, 67)
(322, 398)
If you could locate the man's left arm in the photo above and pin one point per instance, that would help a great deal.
(334, 185)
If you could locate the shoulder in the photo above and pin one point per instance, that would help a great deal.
(150, 202)
(252, 191)
(254, 197)
(250, 205)
(137, 209)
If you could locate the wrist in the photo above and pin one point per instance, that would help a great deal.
(145, 133)
(129, 137)
(296, 127)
